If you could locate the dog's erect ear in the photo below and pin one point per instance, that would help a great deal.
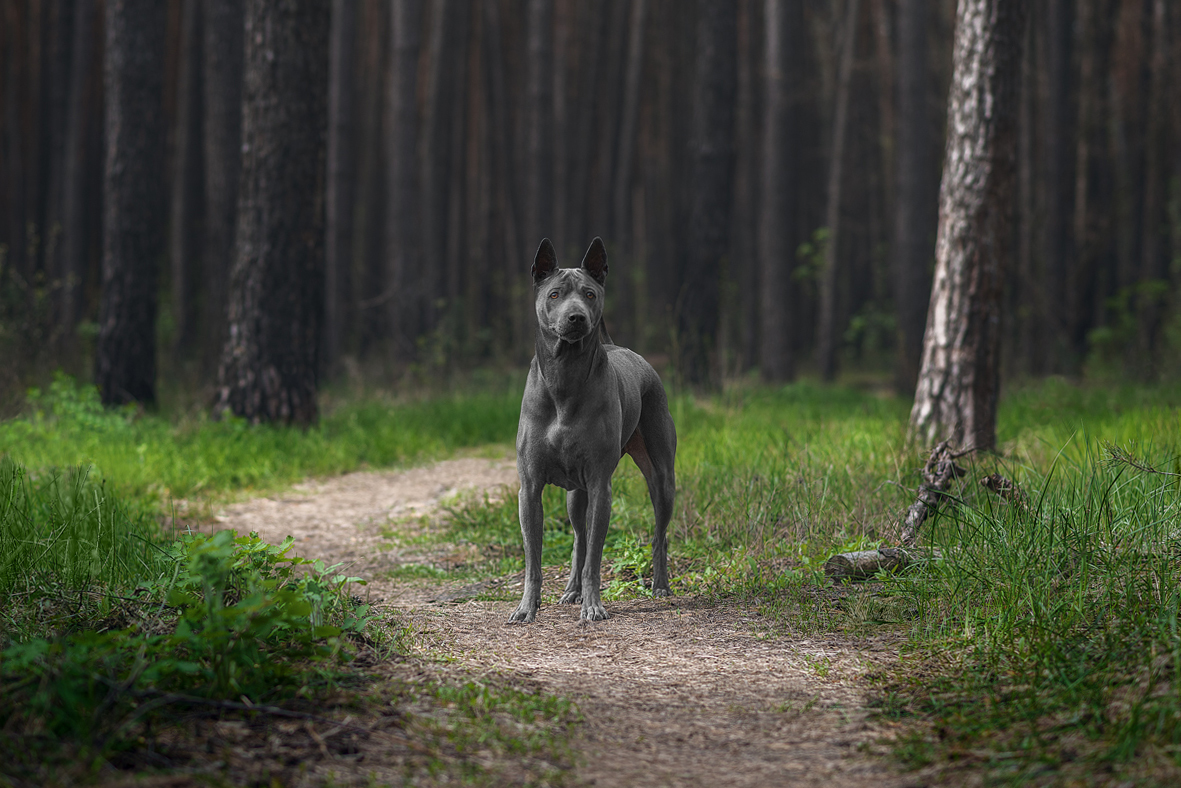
(546, 261)
(595, 261)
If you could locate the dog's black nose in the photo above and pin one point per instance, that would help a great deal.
(577, 317)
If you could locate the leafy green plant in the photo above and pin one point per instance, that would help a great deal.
(236, 620)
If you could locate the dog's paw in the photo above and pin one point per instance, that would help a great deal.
(524, 614)
(661, 592)
(571, 598)
(594, 613)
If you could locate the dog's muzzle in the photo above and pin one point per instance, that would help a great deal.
(573, 326)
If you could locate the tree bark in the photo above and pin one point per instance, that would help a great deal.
(56, 111)
(403, 218)
(629, 118)
(1059, 181)
(826, 330)
(222, 87)
(184, 245)
(341, 188)
(1154, 267)
(134, 200)
(712, 165)
(915, 198)
(959, 382)
(539, 131)
(75, 240)
(778, 208)
(269, 366)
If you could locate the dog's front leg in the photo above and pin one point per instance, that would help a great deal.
(576, 503)
(531, 524)
(598, 517)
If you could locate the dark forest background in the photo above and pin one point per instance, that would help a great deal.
(765, 175)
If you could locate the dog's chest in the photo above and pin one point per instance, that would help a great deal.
(570, 455)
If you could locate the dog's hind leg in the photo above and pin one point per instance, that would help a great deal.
(576, 501)
(654, 449)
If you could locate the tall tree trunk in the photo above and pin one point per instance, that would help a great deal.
(56, 110)
(15, 149)
(403, 218)
(915, 197)
(341, 187)
(959, 382)
(222, 85)
(1059, 179)
(187, 194)
(629, 116)
(539, 126)
(504, 194)
(269, 366)
(1154, 267)
(134, 200)
(777, 209)
(826, 329)
(712, 157)
(76, 208)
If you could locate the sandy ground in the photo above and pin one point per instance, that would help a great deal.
(675, 692)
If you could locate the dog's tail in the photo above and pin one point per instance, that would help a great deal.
(604, 337)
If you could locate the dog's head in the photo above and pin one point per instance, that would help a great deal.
(569, 301)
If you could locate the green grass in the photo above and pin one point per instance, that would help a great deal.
(151, 457)
(1044, 645)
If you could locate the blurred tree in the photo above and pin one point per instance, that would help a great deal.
(403, 219)
(135, 204)
(269, 366)
(341, 187)
(187, 202)
(959, 382)
(711, 189)
(222, 86)
(915, 193)
(783, 25)
(827, 328)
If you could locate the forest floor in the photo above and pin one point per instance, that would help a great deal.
(684, 691)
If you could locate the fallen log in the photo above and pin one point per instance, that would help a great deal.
(865, 564)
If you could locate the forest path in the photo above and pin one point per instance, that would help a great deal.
(677, 692)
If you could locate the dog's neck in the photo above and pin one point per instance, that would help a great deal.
(565, 366)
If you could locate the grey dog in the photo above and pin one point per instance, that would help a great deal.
(587, 403)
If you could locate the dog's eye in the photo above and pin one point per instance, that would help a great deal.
(553, 294)
(590, 294)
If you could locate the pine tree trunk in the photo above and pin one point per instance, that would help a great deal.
(56, 110)
(959, 382)
(1059, 174)
(539, 127)
(915, 198)
(269, 366)
(222, 87)
(627, 125)
(712, 165)
(341, 188)
(75, 208)
(826, 329)
(779, 169)
(135, 201)
(187, 193)
(403, 238)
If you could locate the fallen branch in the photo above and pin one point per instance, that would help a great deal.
(865, 564)
(938, 474)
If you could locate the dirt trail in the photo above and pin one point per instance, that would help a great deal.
(675, 692)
